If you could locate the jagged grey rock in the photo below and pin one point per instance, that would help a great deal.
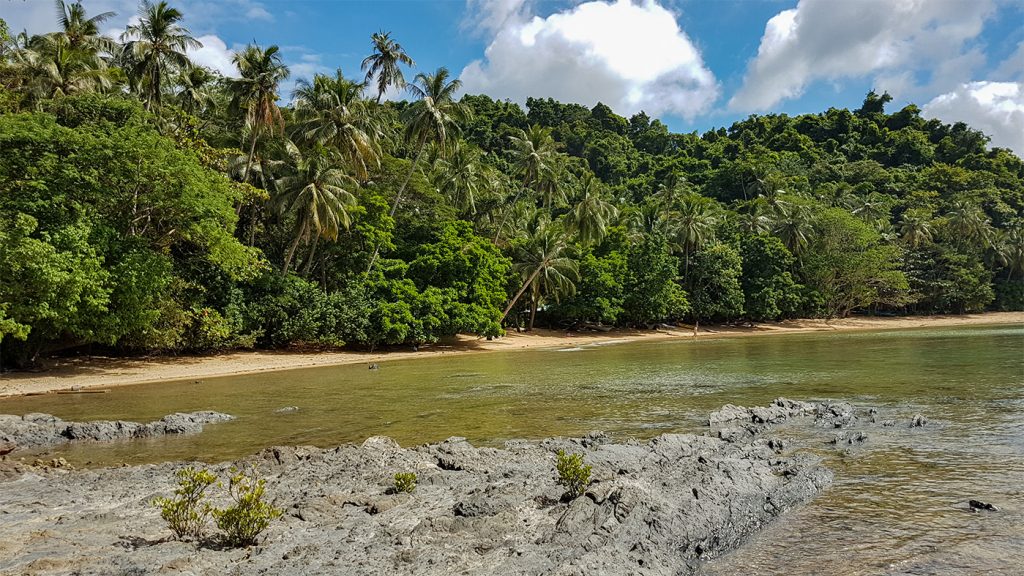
(42, 430)
(654, 508)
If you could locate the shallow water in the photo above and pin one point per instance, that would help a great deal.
(898, 505)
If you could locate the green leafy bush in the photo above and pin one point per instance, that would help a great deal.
(572, 473)
(405, 482)
(186, 513)
(249, 516)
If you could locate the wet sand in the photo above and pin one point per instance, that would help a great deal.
(85, 373)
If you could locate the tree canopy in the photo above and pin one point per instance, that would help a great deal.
(149, 204)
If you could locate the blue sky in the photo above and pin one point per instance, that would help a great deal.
(697, 64)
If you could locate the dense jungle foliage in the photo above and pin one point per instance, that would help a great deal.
(147, 204)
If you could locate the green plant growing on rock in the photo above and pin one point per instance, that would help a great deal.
(572, 473)
(186, 512)
(405, 482)
(250, 515)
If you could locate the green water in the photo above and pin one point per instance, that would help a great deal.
(897, 504)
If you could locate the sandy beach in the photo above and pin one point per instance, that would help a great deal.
(93, 372)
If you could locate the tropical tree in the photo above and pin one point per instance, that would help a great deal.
(82, 32)
(592, 215)
(916, 228)
(752, 219)
(154, 47)
(694, 225)
(968, 223)
(194, 89)
(534, 157)
(331, 111)
(316, 194)
(255, 93)
(461, 176)
(546, 267)
(434, 118)
(794, 226)
(52, 67)
(384, 64)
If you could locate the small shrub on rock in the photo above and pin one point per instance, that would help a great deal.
(249, 516)
(186, 512)
(572, 473)
(405, 482)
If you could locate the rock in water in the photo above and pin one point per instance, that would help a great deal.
(42, 430)
(977, 505)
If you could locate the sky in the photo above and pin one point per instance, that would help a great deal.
(695, 64)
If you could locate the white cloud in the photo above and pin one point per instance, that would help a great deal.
(1013, 67)
(258, 12)
(630, 56)
(214, 55)
(894, 40)
(995, 108)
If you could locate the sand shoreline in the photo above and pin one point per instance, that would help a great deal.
(85, 373)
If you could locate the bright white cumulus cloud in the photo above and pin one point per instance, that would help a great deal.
(895, 41)
(630, 56)
(995, 108)
(214, 55)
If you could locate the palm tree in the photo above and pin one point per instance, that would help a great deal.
(331, 111)
(968, 223)
(694, 225)
(461, 176)
(870, 208)
(155, 46)
(916, 228)
(83, 33)
(255, 92)
(649, 219)
(534, 156)
(1013, 251)
(53, 67)
(317, 195)
(546, 267)
(592, 215)
(793, 225)
(193, 93)
(753, 220)
(433, 118)
(384, 63)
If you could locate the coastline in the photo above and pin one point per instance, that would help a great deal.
(91, 372)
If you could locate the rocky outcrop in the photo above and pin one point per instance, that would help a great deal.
(653, 508)
(42, 430)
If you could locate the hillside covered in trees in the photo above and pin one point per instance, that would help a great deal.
(147, 204)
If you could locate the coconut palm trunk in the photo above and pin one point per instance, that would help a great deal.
(521, 290)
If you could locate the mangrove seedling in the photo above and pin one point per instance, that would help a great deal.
(572, 473)
(249, 516)
(405, 482)
(186, 513)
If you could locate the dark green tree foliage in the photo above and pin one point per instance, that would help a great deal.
(714, 283)
(650, 291)
(99, 216)
(168, 228)
(769, 290)
(849, 267)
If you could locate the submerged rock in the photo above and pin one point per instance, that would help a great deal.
(978, 505)
(42, 430)
(652, 508)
